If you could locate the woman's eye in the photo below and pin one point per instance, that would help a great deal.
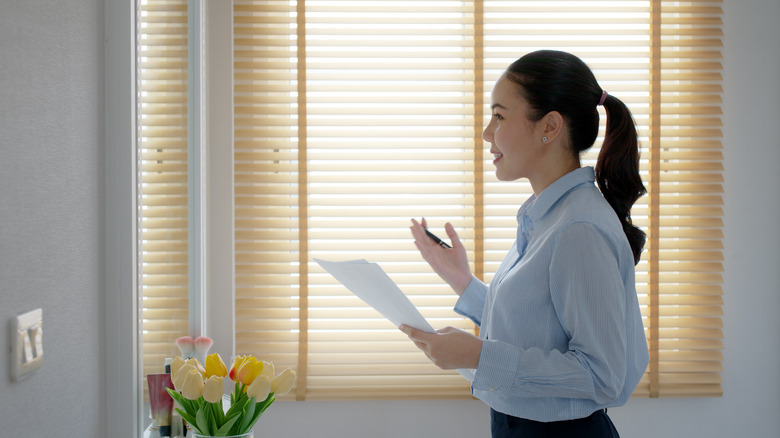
(498, 116)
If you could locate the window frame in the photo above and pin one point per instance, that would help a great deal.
(124, 392)
(123, 406)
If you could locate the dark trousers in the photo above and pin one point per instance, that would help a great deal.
(597, 425)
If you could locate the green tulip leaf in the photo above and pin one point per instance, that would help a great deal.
(191, 406)
(177, 397)
(238, 406)
(219, 413)
(212, 422)
(233, 394)
(187, 417)
(174, 394)
(249, 412)
(223, 431)
(267, 403)
(230, 415)
(202, 422)
(258, 412)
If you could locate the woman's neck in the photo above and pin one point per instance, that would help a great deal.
(552, 173)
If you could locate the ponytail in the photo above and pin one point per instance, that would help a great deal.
(551, 80)
(617, 170)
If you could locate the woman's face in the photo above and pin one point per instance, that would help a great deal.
(515, 141)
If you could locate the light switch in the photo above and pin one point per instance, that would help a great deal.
(36, 337)
(28, 348)
(27, 345)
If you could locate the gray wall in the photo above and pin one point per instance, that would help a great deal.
(51, 207)
(51, 245)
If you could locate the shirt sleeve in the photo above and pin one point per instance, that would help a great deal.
(472, 301)
(588, 295)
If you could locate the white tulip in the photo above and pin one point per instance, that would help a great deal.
(192, 388)
(268, 370)
(213, 389)
(259, 389)
(180, 375)
(282, 384)
(176, 365)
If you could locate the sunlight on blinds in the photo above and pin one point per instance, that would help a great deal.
(162, 158)
(684, 276)
(392, 99)
(266, 177)
(386, 103)
(355, 116)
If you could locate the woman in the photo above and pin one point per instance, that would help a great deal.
(561, 336)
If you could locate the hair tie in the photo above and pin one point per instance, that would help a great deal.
(603, 97)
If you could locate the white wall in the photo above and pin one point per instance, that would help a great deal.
(51, 246)
(51, 73)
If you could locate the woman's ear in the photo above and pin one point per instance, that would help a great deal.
(553, 123)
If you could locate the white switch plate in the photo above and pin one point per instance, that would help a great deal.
(26, 343)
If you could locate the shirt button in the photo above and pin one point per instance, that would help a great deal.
(492, 389)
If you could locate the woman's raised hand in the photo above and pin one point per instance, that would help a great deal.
(451, 264)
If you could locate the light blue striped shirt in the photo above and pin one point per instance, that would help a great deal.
(561, 328)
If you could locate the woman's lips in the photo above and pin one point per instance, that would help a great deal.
(497, 157)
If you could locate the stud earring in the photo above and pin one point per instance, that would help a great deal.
(544, 139)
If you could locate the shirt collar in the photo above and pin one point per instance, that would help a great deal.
(538, 206)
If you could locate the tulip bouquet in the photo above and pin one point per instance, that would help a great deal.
(198, 390)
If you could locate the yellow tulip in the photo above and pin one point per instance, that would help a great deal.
(192, 388)
(213, 389)
(249, 370)
(215, 366)
(268, 370)
(259, 389)
(234, 368)
(181, 374)
(282, 383)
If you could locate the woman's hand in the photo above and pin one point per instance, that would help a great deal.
(451, 264)
(448, 348)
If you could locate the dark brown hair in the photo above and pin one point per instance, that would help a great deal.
(558, 81)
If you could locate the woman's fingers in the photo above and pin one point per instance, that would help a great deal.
(417, 336)
(448, 348)
(452, 234)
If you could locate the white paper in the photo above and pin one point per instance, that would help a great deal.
(371, 284)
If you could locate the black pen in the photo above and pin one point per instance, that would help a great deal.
(436, 239)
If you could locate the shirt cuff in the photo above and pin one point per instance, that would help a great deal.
(497, 369)
(472, 301)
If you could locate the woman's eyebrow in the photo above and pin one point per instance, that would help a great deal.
(497, 105)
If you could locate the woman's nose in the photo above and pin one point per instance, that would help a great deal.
(487, 134)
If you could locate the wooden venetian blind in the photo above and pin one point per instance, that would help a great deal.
(387, 114)
(684, 264)
(352, 117)
(162, 179)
